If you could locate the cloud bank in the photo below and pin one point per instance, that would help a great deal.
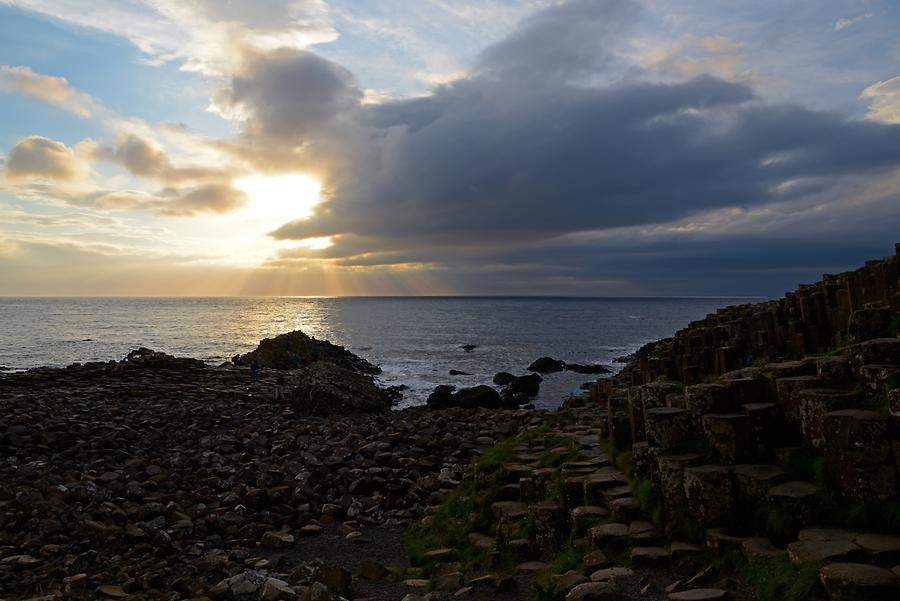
(564, 160)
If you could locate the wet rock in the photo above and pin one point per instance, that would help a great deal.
(529, 385)
(466, 398)
(547, 365)
(503, 378)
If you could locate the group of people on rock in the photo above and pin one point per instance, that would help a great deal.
(256, 372)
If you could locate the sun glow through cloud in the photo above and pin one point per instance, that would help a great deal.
(241, 238)
(277, 199)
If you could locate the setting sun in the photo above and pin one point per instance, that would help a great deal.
(277, 199)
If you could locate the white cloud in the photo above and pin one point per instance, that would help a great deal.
(884, 100)
(51, 90)
(202, 34)
(842, 24)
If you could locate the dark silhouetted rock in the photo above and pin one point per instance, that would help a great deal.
(145, 358)
(479, 396)
(441, 397)
(503, 378)
(288, 351)
(528, 385)
(547, 365)
(456, 372)
(468, 347)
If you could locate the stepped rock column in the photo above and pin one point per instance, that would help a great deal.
(858, 455)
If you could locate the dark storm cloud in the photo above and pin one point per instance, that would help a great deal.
(554, 134)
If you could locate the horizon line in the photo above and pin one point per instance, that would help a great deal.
(386, 296)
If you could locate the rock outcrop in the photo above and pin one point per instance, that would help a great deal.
(294, 349)
(324, 388)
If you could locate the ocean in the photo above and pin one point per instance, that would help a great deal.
(415, 340)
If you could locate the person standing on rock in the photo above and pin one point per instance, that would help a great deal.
(254, 370)
(279, 388)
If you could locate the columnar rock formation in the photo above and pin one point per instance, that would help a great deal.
(769, 419)
(842, 308)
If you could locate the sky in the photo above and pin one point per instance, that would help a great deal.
(443, 147)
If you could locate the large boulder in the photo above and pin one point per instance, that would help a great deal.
(144, 358)
(547, 365)
(528, 385)
(443, 397)
(325, 388)
(289, 351)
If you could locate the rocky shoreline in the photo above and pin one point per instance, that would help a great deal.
(753, 455)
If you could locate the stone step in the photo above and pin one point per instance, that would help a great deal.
(721, 542)
(799, 500)
(586, 515)
(823, 550)
(730, 436)
(699, 594)
(649, 556)
(754, 480)
(612, 574)
(625, 509)
(614, 532)
(513, 471)
(482, 541)
(859, 581)
(760, 548)
(509, 510)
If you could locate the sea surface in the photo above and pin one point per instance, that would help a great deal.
(416, 341)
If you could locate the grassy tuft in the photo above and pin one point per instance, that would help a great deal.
(777, 579)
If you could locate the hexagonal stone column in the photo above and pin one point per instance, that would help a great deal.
(709, 494)
(858, 455)
(701, 399)
(815, 404)
(753, 482)
(797, 503)
(668, 428)
(729, 436)
(789, 390)
(671, 478)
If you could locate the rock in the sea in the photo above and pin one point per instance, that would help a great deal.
(503, 378)
(456, 372)
(324, 388)
(150, 359)
(292, 350)
(547, 365)
(443, 397)
(528, 385)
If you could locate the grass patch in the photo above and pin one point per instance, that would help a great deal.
(468, 508)
(567, 559)
(777, 579)
(650, 499)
